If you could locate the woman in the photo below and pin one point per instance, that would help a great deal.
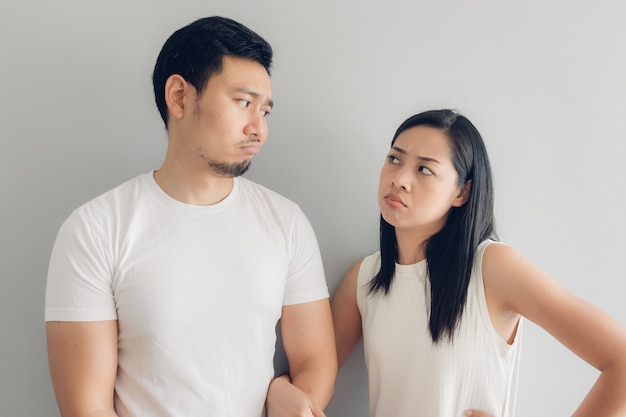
(440, 306)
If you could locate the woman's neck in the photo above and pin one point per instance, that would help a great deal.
(411, 246)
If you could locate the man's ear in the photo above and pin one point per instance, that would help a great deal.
(464, 194)
(176, 88)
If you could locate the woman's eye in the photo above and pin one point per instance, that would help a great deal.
(425, 170)
(265, 113)
(392, 159)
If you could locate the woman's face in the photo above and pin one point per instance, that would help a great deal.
(418, 182)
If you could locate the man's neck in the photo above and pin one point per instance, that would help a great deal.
(193, 187)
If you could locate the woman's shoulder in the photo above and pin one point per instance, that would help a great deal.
(363, 269)
(368, 266)
(497, 255)
(496, 259)
(511, 279)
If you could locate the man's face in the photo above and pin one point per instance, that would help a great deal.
(228, 125)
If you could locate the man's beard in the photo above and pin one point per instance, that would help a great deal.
(229, 170)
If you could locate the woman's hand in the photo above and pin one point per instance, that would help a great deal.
(286, 400)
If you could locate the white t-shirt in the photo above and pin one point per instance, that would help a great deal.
(409, 375)
(197, 292)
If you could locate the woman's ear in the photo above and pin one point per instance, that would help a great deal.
(464, 194)
(176, 87)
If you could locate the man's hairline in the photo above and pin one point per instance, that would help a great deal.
(220, 68)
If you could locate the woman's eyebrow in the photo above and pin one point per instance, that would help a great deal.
(422, 158)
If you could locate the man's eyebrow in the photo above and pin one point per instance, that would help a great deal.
(422, 158)
(254, 94)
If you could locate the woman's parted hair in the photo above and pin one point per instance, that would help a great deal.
(449, 252)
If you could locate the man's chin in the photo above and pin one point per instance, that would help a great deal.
(242, 170)
(230, 170)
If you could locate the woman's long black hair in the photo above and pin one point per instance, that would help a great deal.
(449, 252)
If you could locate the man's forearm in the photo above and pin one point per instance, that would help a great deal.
(317, 383)
(101, 413)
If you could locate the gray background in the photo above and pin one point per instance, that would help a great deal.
(544, 81)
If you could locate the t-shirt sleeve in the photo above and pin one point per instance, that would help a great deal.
(79, 284)
(305, 281)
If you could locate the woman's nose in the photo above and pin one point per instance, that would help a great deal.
(401, 181)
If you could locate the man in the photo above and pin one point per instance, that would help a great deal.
(163, 294)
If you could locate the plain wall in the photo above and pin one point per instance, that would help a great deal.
(542, 80)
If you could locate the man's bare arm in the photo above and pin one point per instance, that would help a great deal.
(309, 342)
(83, 363)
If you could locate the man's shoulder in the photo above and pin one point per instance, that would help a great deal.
(255, 189)
(116, 196)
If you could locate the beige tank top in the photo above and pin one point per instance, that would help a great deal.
(410, 376)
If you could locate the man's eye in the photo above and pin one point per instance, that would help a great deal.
(265, 113)
(244, 103)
